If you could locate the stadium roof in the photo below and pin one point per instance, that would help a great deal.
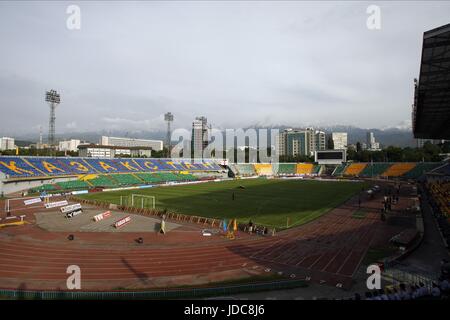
(431, 110)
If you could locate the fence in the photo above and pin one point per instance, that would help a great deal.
(153, 294)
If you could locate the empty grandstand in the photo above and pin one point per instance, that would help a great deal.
(354, 169)
(263, 169)
(245, 169)
(398, 169)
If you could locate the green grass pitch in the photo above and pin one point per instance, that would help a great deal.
(265, 201)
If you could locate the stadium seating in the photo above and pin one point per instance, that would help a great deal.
(103, 181)
(17, 167)
(374, 169)
(125, 179)
(263, 169)
(149, 177)
(103, 165)
(286, 168)
(24, 167)
(245, 169)
(304, 168)
(44, 187)
(78, 166)
(354, 169)
(398, 169)
(420, 169)
(339, 170)
(73, 185)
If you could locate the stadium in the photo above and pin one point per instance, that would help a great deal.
(323, 219)
(274, 225)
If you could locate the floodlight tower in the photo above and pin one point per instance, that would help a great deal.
(169, 118)
(53, 98)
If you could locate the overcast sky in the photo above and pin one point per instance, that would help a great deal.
(237, 63)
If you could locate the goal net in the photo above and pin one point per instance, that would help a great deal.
(138, 201)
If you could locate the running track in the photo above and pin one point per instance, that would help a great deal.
(328, 249)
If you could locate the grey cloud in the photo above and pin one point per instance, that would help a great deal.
(238, 63)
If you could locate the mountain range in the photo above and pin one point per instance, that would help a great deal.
(394, 136)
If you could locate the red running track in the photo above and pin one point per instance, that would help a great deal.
(328, 249)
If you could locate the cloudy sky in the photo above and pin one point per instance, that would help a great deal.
(237, 63)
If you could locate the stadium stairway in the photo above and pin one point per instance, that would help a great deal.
(339, 170)
(317, 169)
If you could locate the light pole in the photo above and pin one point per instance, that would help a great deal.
(168, 117)
(54, 99)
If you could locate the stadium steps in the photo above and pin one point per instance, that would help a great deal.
(317, 169)
(339, 170)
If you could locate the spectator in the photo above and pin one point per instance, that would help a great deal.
(423, 291)
(368, 295)
(383, 294)
(435, 291)
(376, 296)
(357, 297)
(445, 285)
(395, 295)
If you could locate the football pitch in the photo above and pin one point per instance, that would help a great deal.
(271, 202)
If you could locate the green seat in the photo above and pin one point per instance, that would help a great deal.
(420, 169)
(374, 169)
(126, 179)
(286, 168)
(74, 184)
(103, 181)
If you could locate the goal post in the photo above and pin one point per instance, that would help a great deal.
(138, 201)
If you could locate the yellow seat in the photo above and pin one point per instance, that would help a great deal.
(355, 169)
(398, 169)
(263, 169)
(304, 168)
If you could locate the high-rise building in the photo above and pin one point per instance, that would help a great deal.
(156, 145)
(7, 143)
(372, 145)
(294, 142)
(199, 139)
(69, 145)
(339, 140)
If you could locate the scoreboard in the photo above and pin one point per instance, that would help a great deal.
(330, 156)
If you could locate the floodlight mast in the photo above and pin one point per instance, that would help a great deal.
(168, 117)
(54, 99)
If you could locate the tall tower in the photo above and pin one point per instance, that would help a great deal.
(40, 137)
(169, 118)
(53, 98)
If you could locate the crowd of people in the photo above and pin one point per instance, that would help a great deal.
(438, 193)
(440, 290)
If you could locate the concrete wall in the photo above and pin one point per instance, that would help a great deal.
(12, 187)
